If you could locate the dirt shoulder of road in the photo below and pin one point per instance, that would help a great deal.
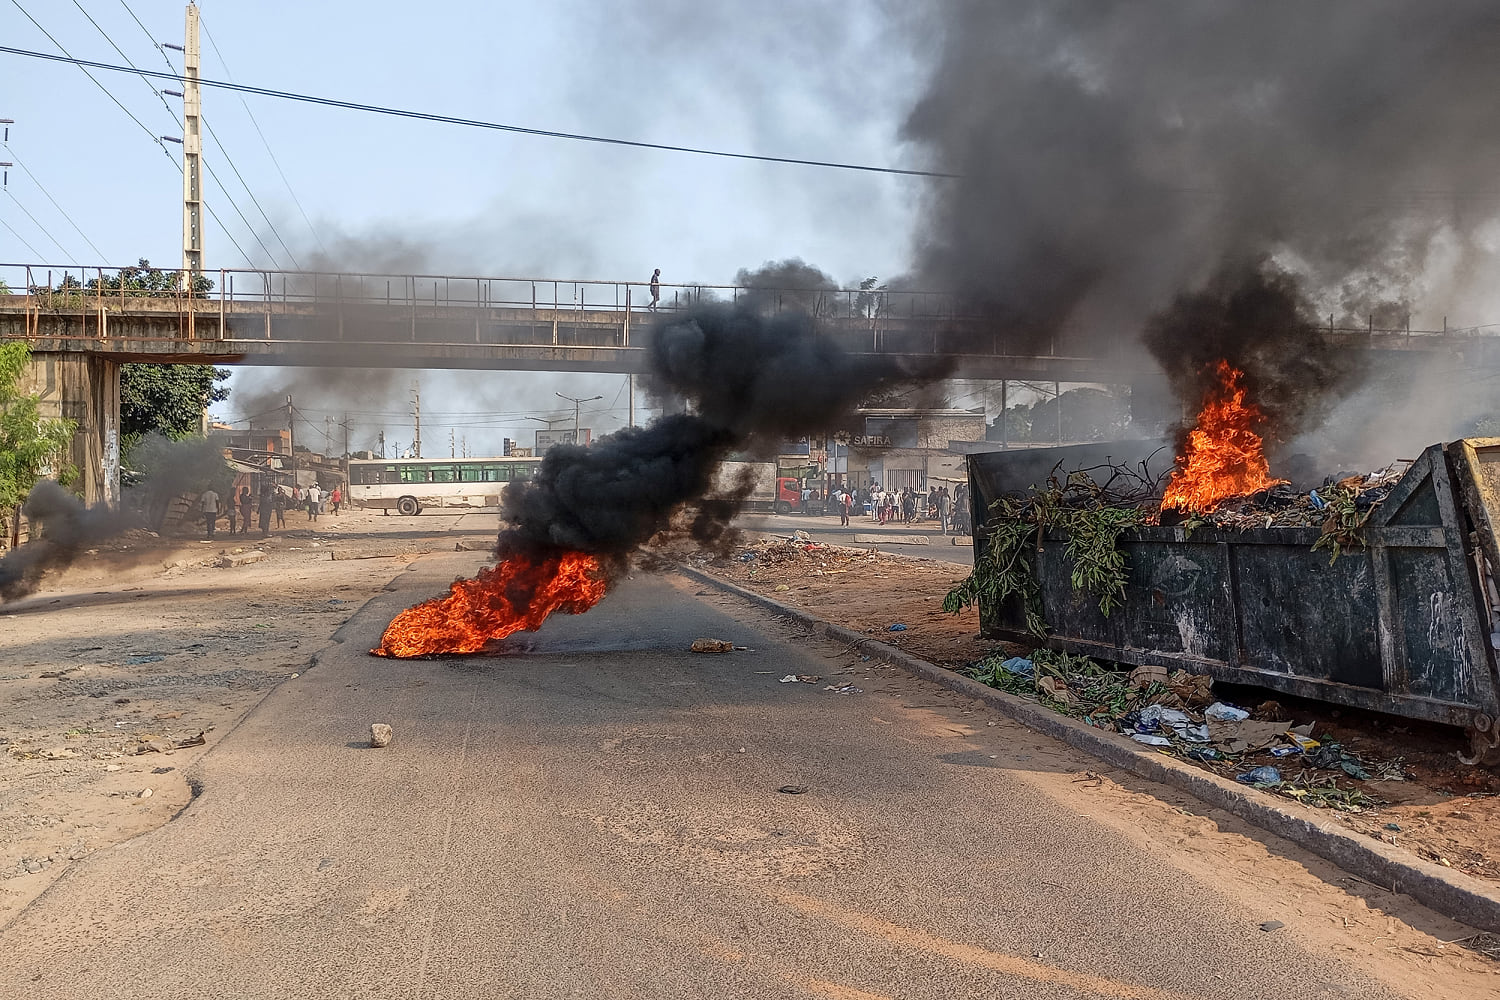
(119, 673)
(1442, 811)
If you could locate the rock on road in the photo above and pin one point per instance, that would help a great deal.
(598, 814)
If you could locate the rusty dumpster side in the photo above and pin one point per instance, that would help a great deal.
(1408, 625)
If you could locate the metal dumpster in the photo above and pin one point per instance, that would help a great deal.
(1409, 625)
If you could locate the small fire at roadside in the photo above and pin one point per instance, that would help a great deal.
(515, 595)
(1224, 457)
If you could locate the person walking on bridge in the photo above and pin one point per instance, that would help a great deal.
(655, 289)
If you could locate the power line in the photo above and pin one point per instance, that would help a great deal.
(17, 160)
(263, 140)
(476, 123)
(65, 57)
(34, 251)
(254, 200)
(42, 228)
(209, 164)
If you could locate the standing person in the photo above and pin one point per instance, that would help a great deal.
(845, 502)
(229, 510)
(247, 505)
(312, 502)
(945, 507)
(208, 503)
(267, 504)
(336, 498)
(655, 289)
(279, 504)
(961, 510)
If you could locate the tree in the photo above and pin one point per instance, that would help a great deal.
(169, 399)
(30, 447)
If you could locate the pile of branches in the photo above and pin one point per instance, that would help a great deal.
(1091, 515)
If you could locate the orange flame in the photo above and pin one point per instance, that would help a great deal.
(517, 594)
(1224, 457)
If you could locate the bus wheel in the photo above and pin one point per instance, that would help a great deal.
(782, 507)
(408, 506)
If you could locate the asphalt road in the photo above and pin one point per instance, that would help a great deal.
(598, 815)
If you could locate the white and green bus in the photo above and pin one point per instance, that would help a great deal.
(408, 485)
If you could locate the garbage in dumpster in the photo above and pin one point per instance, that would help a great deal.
(1221, 712)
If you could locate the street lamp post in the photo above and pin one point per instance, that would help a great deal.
(577, 404)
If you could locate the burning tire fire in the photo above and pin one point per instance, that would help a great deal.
(516, 595)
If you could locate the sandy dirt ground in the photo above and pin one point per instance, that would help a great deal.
(111, 671)
(1444, 811)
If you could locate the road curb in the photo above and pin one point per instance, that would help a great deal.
(1451, 893)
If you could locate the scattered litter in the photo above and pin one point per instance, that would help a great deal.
(1151, 740)
(1056, 689)
(711, 646)
(1221, 712)
(1393, 827)
(63, 753)
(792, 789)
(380, 735)
(898, 627)
(145, 793)
(845, 689)
(1271, 711)
(1272, 925)
(781, 586)
(1260, 776)
(1018, 665)
(788, 679)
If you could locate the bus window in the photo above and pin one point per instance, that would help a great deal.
(471, 473)
(388, 474)
(520, 473)
(445, 473)
(414, 473)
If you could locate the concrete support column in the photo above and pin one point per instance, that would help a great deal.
(85, 389)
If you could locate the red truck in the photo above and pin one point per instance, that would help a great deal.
(769, 493)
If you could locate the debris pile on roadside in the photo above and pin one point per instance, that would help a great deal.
(801, 552)
(1176, 713)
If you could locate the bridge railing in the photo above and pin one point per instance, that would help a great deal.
(217, 304)
(67, 287)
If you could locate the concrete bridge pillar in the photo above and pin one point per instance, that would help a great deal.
(85, 389)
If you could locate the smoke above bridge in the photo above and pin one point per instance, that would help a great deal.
(1126, 166)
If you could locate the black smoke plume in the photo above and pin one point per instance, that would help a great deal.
(751, 380)
(1117, 159)
(1256, 317)
(62, 527)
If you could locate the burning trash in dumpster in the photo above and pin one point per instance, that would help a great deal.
(1376, 591)
(1224, 456)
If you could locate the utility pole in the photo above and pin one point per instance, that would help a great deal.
(328, 431)
(192, 154)
(345, 425)
(416, 414)
(452, 445)
(630, 391)
(291, 436)
(1057, 402)
(381, 438)
(1004, 419)
(577, 403)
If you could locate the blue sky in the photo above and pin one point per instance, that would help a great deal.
(814, 80)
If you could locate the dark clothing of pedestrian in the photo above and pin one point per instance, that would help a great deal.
(655, 289)
(267, 503)
(280, 507)
(247, 509)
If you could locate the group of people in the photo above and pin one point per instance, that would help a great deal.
(242, 507)
(951, 510)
